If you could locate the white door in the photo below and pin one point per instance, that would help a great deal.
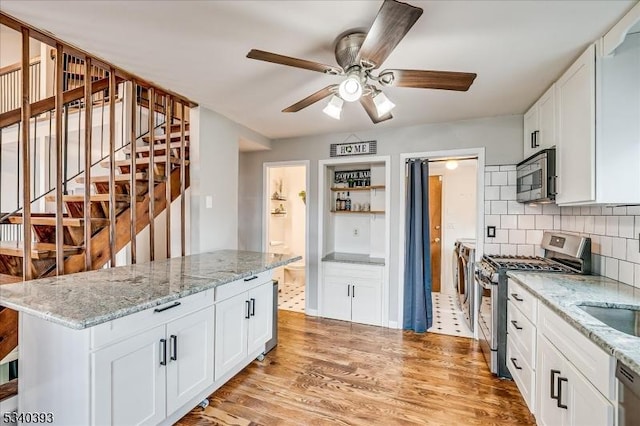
(232, 316)
(576, 130)
(366, 302)
(260, 317)
(586, 406)
(550, 366)
(190, 357)
(530, 126)
(546, 137)
(129, 381)
(336, 300)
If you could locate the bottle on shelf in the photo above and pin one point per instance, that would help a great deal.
(338, 201)
(348, 202)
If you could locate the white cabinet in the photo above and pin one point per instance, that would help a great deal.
(352, 293)
(576, 91)
(141, 379)
(540, 130)
(243, 325)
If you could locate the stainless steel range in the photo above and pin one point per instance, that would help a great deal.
(563, 253)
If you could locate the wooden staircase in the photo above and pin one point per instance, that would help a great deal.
(43, 253)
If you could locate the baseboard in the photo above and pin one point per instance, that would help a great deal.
(311, 312)
(393, 324)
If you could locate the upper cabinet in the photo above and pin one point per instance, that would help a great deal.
(540, 124)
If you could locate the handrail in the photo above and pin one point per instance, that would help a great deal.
(18, 65)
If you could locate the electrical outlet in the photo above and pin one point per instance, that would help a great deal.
(356, 232)
(208, 201)
(491, 231)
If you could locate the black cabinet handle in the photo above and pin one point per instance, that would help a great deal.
(553, 383)
(515, 324)
(251, 278)
(560, 380)
(513, 361)
(515, 296)
(173, 348)
(248, 304)
(353, 291)
(163, 351)
(533, 145)
(535, 139)
(348, 290)
(166, 308)
(253, 307)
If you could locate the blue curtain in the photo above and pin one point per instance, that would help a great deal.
(418, 309)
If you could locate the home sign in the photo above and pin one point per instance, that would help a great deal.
(353, 148)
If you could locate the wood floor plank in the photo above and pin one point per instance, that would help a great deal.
(326, 372)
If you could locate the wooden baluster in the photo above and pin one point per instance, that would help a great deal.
(133, 192)
(167, 168)
(59, 160)
(152, 205)
(112, 164)
(88, 127)
(26, 161)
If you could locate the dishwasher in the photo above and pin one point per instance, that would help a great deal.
(628, 396)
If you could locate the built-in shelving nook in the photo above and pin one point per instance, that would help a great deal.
(354, 226)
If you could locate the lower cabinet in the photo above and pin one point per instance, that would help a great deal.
(243, 325)
(353, 293)
(141, 379)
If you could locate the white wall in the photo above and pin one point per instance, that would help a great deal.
(214, 173)
(458, 212)
(11, 51)
(501, 136)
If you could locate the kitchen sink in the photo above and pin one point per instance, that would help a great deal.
(626, 320)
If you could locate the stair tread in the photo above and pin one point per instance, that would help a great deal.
(163, 137)
(9, 279)
(38, 250)
(9, 389)
(66, 221)
(102, 198)
(158, 147)
(145, 160)
(119, 178)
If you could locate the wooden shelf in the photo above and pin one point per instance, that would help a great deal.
(358, 188)
(358, 212)
(279, 214)
(279, 199)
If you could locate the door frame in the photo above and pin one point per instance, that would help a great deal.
(266, 207)
(442, 230)
(435, 155)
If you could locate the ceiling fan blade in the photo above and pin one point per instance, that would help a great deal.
(370, 107)
(312, 99)
(393, 22)
(261, 55)
(422, 79)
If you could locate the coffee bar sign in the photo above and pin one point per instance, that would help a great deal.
(353, 148)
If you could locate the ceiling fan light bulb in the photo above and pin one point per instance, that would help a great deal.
(334, 107)
(350, 89)
(383, 104)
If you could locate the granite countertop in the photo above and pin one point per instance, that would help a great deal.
(362, 259)
(562, 293)
(87, 299)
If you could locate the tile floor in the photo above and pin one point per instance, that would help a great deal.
(448, 318)
(291, 297)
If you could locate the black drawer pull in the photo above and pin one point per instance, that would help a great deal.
(253, 307)
(560, 380)
(251, 278)
(515, 296)
(163, 351)
(167, 307)
(554, 395)
(515, 324)
(513, 361)
(174, 348)
(248, 305)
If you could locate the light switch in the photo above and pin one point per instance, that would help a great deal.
(491, 231)
(208, 201)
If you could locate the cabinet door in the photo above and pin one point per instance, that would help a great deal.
(546, 137)
(231, 333)
(550, 366)
(576, 131)
(585, 404)
(129, 382)
(190, 357)
(530, 126)
(366, 302)
(336, 299)
(260, 317)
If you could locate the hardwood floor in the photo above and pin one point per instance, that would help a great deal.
(334, 372)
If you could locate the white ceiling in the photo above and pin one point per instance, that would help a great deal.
(198, 48)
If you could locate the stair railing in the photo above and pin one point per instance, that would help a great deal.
(10, 84)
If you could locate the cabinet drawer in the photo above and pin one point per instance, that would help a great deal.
(523, 300)
(225, 291)
(117, 329)
(523, 374)
(350, 270)
(594, 363)
(522, 332)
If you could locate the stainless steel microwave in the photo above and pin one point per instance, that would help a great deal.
(536, 178)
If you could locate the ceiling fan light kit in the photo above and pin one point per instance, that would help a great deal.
(358, 54)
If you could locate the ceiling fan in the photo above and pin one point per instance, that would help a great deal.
(358, 55)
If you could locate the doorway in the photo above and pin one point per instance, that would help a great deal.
(286, 228)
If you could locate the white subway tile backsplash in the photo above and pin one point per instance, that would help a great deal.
(492, 193)
(544, 221)
(487, 179)
(596, 210)
(589, 223)
(612, 226)
(526, 222)
(507, 193)
(595, 244)
(579, 225)
(550, 209)
(585, 211)
(566, 211)
(532, 209)
(636, 279)
(534, 236)
(620, 211)
(514, 207)
(492, 248)
(619, 248)
(499, 178)
(605, 246)
(607, 211)
(633, 210)
(517, 236)
(491, 168)
(512, 178)
(498, 207)
(600, 225)
(525, 250)
(492, 220)
(557, 225)
(509, 222)
(596, 264)
(625, 226)
(508, 168)
(611, 269)
(502, 236)
(625, 272)
(633, 252)
(487, 207)
(636, 232)
(508, 249)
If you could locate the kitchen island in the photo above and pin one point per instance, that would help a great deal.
(141, 344)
